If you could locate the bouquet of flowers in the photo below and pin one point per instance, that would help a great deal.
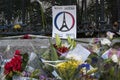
(63, 48)
(16, 65)
(55, 63)
(105, 53)
(67, 70)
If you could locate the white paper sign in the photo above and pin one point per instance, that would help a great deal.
(64, 21)
(79, 53)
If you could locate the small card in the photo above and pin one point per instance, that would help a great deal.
(105, 54)
(79, 53)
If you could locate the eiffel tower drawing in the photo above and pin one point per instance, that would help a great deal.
(64, 25)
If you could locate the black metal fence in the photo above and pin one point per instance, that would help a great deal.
(93, 18)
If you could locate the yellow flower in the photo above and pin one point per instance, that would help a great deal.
(67, 69)
(17, 26)
(69, 63)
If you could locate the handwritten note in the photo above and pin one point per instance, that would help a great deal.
(79, 53)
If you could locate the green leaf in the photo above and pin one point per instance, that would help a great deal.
(69, 40)
(112, 71)
(34, 73)
(53, 54)
(25, 60)
(92, 71)
(45, 54)
(58, 40)
(72, 43)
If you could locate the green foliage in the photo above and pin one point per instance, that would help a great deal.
(53, 54)
(46, 54)
(35, 73)
(71, 42)
(58, 40)
(24, 60)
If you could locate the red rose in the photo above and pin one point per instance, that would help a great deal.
(15, 64)
(8, 67)
(62, 49)
(17, 61)
(26, 36)
(17, 67)
(17, 58)
(17, 52)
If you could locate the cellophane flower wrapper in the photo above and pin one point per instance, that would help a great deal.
(18, 67)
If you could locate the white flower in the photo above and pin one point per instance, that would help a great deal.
(114, 58)
(110, 35)
(105, 41)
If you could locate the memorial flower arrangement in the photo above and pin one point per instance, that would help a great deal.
(74, 70)
(67, 60)
(62, 47)
(16, 65)
(104, 54)
(60, 66)
(106, 57)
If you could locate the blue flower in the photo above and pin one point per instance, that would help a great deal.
(94, 60)
(87, 66)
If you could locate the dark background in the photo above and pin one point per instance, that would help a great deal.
(93, 19)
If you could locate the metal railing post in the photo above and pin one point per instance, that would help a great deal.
(102, 16)
(118, 5)
(96, 14)
(23, 11)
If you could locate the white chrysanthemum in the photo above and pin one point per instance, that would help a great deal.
(105, 41)
(114, 58)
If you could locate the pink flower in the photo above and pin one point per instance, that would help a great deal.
(110, 34)
(110, 54)
(118, 53)
(96, 40)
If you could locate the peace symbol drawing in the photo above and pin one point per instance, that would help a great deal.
(64, 21)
